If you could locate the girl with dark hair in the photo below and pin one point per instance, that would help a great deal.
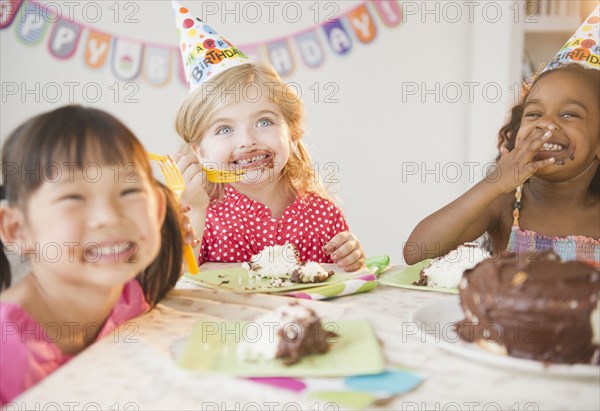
(545, 191)
(101, 235)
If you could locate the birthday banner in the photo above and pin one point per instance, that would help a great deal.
(130, 59)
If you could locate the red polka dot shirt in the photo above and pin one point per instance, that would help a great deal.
(238, 227)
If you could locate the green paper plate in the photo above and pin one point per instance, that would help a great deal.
(410, 274)
(232, 277)
(212, 349)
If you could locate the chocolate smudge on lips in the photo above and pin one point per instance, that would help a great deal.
(239, 162)
(561, 151)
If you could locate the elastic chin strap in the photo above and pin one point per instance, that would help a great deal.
(588, 167)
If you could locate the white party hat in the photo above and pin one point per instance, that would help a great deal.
(205, 53)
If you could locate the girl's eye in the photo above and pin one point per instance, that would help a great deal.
(265, 122)
(224, 130)
(131, 191)
(532, 114)
(570, 115)
(71, 197)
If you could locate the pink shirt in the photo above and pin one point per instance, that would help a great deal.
(28, 354)
(238, 227)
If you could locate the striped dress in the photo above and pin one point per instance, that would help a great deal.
(573, 247)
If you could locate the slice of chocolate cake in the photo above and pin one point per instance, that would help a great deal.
(289, 333)
(310, 272)
(533, 307)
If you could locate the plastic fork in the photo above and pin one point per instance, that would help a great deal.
(213, 175)
(218, 176)
(175, 182)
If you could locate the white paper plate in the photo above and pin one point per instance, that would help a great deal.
(436, 322)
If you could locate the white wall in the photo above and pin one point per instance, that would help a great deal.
(383, 140)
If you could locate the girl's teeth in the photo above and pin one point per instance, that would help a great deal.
(552, 147)
(251, 160)
(114, 249)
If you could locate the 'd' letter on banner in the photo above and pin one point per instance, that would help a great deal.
(310, 48)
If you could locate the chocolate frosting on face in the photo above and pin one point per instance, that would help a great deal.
(303, 336)
(531, 306)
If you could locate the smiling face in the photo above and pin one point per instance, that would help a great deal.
(565, 104)
(98, 226)
(247, 135)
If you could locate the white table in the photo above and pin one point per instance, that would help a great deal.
(135, 370)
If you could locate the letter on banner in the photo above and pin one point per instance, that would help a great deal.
(157, 65)
(280, 57)
(31, 25)
(389, 11)
(338, 38)
(8, 11)
(96, 48)
(362, 23)
(64, 39)
(310, 48)
(126, 59)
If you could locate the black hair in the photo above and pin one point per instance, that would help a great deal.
(508, 133)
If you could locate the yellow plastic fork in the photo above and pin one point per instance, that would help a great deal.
(175, 182)
(218, 176)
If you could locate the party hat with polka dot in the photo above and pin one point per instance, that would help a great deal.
(205, 54)
(583, 47)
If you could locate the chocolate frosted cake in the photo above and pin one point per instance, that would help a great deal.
(289, 333)
(533, 307)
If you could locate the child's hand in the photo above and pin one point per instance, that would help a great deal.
(345, 250)
(194, 194)
(516, 166)
(189, 236)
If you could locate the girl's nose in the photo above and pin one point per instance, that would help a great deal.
(247, 139)
(546, 122)
(104, 212)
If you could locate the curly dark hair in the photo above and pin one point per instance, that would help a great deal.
(508, 133)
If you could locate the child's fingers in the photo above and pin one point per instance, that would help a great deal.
(189, 167)
(345, 250)
(175, 157)
(537, 142)
(536, 166)
(189, 236)
(356, 266)
(353, 261)
(332, 245)
(525, 152)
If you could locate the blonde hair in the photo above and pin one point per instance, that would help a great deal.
(194, 114)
